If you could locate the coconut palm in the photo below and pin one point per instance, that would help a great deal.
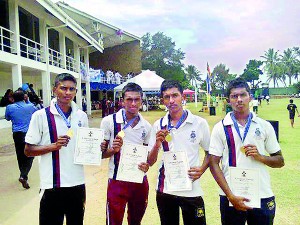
(192, 74)
(289, 64)
(271, 59)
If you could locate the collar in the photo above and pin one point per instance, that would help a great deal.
(189, 119)
(228, 120)
(53, 109)
(119, 119)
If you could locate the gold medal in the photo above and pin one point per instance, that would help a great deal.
(243, 149)
(121, 134)
(70, 133)
(168, 138)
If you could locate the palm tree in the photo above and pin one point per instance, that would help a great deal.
(271, 65)
(192, 74)
(289, 63)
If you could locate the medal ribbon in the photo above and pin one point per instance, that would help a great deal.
(236, 126)
(178, 124)
(63, 115)
(130, 122)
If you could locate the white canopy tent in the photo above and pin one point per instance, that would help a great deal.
(149, 81)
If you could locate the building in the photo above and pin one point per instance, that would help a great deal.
(40, 39)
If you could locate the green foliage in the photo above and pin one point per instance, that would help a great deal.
(192, 74)
(252, 72)
(297, 85)
(159, 54)
(221, 77)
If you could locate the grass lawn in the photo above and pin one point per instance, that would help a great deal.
(285, 181)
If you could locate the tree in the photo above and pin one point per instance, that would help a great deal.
(159, 54)
(252, 72)
(221, 77)
(192, 74)
(272, 67)
(289, 64)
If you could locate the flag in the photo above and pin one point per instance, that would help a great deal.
(208, 87)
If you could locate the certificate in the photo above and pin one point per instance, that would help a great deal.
(88, 150)
(176, 171)
(245, 183)
(131, 156)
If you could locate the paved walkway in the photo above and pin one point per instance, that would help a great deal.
(20, 207)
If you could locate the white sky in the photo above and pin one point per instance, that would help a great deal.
(214, 31)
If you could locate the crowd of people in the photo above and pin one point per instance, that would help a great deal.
(242, 142)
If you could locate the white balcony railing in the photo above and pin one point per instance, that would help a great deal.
(55, 58)
(71, 64)
(6, 40)
(31, 49)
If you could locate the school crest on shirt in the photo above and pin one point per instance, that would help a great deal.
(144, 134)
(200, 212)
(79, 123)
(193, 136)
(257, 133)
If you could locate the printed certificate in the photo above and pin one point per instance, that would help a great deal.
(131, 156)
(176, 171)
(245, 183)
(88, 150)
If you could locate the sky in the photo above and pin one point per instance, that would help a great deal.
(215, 31)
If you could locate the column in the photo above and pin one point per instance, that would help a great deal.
(43, 40)
(62, 49)
(16, 72)
(14, 25)
(87, 84)
(46, 86)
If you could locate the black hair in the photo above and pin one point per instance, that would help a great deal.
(18, 95)
(291, 100)
(237, 83)
(132, 87)
(167, 84)
(64, 77)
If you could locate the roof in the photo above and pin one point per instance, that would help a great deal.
(148, 80)
(109, 34)
(71, 23)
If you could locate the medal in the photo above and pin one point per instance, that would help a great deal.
(70, 133)
(243, 150)
(168, 138)
(121, 134)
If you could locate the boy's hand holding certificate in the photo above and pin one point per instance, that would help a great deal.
(87, 150)
(131, 156)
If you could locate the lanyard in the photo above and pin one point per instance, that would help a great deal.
(130, 122)
(63, 115)
(180, 121)
(236, 126)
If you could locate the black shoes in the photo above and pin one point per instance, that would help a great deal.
(24, 183)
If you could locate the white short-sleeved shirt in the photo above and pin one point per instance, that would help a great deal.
(38, 134)
(190, 136)
(261, 134)
(139, 134)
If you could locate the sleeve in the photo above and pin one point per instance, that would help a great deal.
(7, 113)
(149, 129)
(35, 130)
(206, 136)
(152, 138)
(105, 125)
(86, 120)
(271, 143)
(216, 146)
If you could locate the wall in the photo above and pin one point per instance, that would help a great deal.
(125, 58)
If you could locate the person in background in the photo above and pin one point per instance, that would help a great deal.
(244, 141)
(7, 98)
(19, 113)
(292, 108)
(52, 136)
